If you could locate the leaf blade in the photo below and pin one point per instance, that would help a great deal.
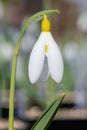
(45, 120)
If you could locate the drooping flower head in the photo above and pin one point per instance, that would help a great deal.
(45, 57)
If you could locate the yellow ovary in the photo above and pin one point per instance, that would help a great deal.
(45, 26)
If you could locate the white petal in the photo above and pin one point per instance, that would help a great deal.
(36, 61)
(55, 61)
(45, 72)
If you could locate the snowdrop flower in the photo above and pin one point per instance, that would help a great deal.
(45, 57)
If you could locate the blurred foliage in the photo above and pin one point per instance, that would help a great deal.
(50, 90)
(33, 97)
(67, 82)
(7, 1)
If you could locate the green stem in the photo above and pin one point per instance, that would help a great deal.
(16, 51)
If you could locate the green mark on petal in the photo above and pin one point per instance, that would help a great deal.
(46, 48)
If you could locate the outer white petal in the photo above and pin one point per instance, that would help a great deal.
(55, 61)
(45, 72)
(36, 61)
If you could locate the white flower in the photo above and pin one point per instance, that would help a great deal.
(45, 57)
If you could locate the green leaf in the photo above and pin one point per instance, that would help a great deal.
(45, 120)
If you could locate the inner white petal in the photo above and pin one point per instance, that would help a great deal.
(45, 72)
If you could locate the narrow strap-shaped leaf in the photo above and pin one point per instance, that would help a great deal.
(44, 121)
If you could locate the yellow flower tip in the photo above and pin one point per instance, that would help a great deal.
(46, 48)
(45, 25)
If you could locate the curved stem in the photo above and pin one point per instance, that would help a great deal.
(16, 51)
